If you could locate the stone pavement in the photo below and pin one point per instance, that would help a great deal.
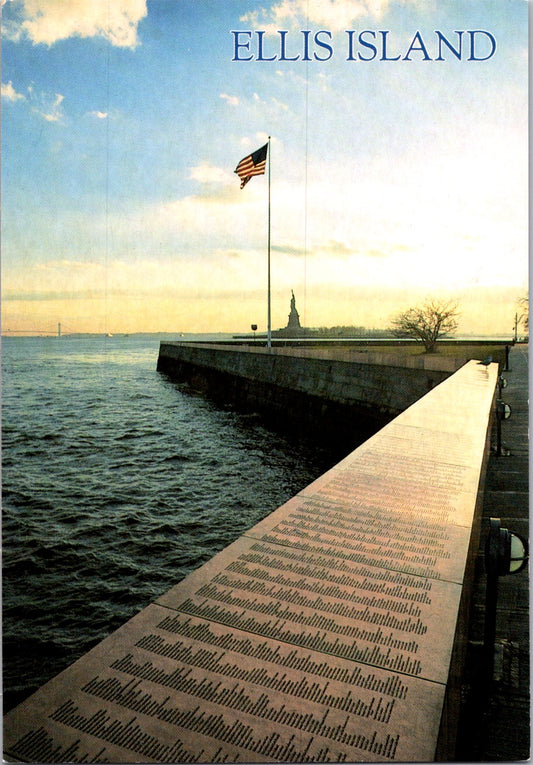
(496, 724)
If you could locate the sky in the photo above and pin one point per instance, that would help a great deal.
(394, 176)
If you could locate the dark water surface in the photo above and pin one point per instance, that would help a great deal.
(116, 484)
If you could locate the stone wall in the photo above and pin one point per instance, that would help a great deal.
(338, 394)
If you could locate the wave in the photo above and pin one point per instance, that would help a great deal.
(116, 484)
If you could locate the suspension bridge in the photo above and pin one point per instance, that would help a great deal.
(57, 331)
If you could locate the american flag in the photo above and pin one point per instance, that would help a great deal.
(253, 164)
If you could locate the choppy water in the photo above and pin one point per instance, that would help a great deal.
(116, 484)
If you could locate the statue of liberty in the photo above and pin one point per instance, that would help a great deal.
(294, 319)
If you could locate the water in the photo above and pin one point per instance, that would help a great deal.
(116, 484)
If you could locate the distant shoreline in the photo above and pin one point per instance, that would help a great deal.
(117, 335)
(233, 338)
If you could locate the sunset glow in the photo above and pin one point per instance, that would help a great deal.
(391, 180)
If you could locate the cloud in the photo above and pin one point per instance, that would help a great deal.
(66, 265)
(333, 247)
(233, 100)
(206, 173)
(289, 249)
(52, 295)
(99, 115)
(272, 102)
(266, 110)
(326, 14)
(10, 94)
(47, 105)
(54, 112)
(47, 21)
(343, 250)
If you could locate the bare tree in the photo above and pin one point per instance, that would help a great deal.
(523, 302)
(427, 323)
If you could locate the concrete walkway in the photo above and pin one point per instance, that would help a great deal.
(497, 727)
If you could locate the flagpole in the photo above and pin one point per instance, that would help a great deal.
(269, 326)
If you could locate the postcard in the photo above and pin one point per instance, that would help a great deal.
(264, 327)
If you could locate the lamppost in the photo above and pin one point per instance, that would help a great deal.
(503, 412)
(506, 552)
